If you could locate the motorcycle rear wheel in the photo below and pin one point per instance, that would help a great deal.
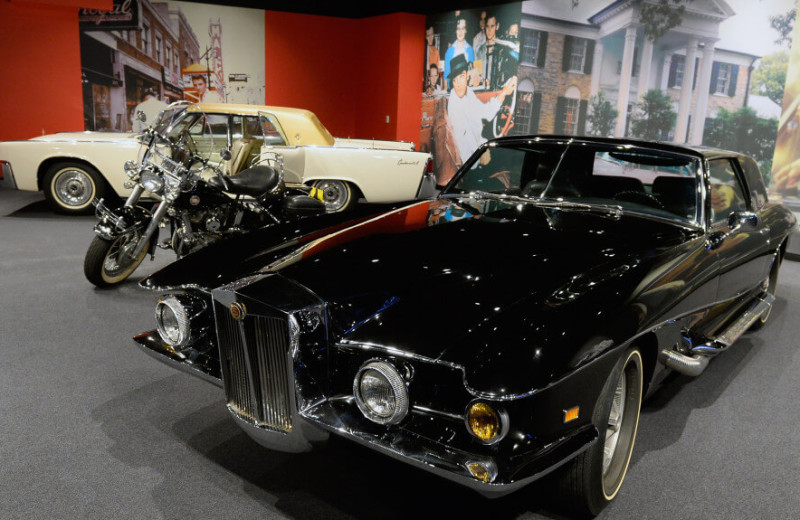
(106, 264)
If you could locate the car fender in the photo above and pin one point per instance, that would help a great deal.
(380, 175)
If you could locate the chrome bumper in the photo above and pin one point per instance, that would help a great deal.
(314, 424)
(8, 174)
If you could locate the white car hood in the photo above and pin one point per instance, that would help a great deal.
(88, 137)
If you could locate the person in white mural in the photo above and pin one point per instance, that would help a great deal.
(203, 94)
(150, 108)
(466, 112)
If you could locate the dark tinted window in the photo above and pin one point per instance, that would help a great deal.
(727, 192)
(752, 173)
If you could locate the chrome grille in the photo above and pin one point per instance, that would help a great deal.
(255, 368)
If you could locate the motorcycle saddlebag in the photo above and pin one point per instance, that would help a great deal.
(302, 206)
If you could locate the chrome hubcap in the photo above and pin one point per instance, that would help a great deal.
(334, 194)
(74, 187)
(614, 423)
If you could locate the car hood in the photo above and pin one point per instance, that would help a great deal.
(444, 282)
(87, 137)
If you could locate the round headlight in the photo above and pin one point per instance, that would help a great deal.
(381, 393)
(485, 423)
(174, 316)
(151, 181)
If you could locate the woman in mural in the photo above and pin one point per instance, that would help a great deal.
(460, 47)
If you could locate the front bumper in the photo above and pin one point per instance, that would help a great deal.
(7, 174)
(313, 423)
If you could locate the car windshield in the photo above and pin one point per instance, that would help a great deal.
(583, 174)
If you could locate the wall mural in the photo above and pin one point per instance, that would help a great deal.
(145, 54)
(786, 162)
(675, 70)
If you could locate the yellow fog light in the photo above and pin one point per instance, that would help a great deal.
(483, 471)
(485, 423)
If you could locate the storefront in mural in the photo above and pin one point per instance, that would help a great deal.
(605, 68)
(145, 54)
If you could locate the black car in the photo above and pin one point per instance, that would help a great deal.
(507, 329)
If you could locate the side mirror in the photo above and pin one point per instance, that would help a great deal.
(225, 154)
(140, 116)
(742, 218)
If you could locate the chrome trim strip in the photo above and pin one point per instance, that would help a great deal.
(430, 411)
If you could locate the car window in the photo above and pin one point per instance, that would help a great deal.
(639, 179)
(272, 130)
(755, 181)
(727, 192)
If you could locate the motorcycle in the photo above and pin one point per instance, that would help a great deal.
(199, 202)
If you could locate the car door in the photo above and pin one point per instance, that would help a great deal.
(738, 235)
(275, 141)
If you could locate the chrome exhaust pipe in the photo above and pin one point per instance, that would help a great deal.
(687, 365)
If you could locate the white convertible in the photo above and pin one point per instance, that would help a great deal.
(74, 168)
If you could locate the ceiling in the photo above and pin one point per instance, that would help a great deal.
(355, 8)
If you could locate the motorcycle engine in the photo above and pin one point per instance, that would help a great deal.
(206, 227)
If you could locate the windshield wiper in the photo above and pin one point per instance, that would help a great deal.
(611, 210)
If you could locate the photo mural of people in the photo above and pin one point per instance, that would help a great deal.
(786, 161)
(469, 93)
(147, 53)
(675, 71)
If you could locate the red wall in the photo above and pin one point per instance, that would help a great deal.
(309, 64)
(351, 73)
(40, 53)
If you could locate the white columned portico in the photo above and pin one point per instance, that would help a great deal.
(625, 81)
(703, 87)
(665, 73)
(686, 92)
(644, 68)
(597, 67)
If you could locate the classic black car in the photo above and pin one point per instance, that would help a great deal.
(507, 329)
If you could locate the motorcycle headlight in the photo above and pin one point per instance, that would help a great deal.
(172, 188)
(177, 319)
(151, 181)
(381, 393)
(131, 169)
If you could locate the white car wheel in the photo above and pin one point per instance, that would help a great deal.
(70, 187)
(337, 195)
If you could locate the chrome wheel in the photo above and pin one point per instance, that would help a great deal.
(614, 424)
(337, 195)
(622, 423)
(70, 187)
(73, 187)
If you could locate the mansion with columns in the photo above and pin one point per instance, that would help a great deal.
(568, 55)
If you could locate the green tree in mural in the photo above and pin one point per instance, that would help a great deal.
(657, 17)
(602, 115)
(654, 116)
(769, 78)
(784, 24)
(744, 132)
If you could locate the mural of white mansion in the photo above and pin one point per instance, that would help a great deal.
(570, 54)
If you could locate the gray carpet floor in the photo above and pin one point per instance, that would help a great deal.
(90, 427)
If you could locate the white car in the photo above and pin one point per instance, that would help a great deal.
(74, 168)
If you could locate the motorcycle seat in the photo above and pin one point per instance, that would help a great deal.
(254, 181)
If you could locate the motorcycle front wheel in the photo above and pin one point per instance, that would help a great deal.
(108, 262)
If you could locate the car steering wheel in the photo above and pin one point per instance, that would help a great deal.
(639, 197)
(500, 127)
